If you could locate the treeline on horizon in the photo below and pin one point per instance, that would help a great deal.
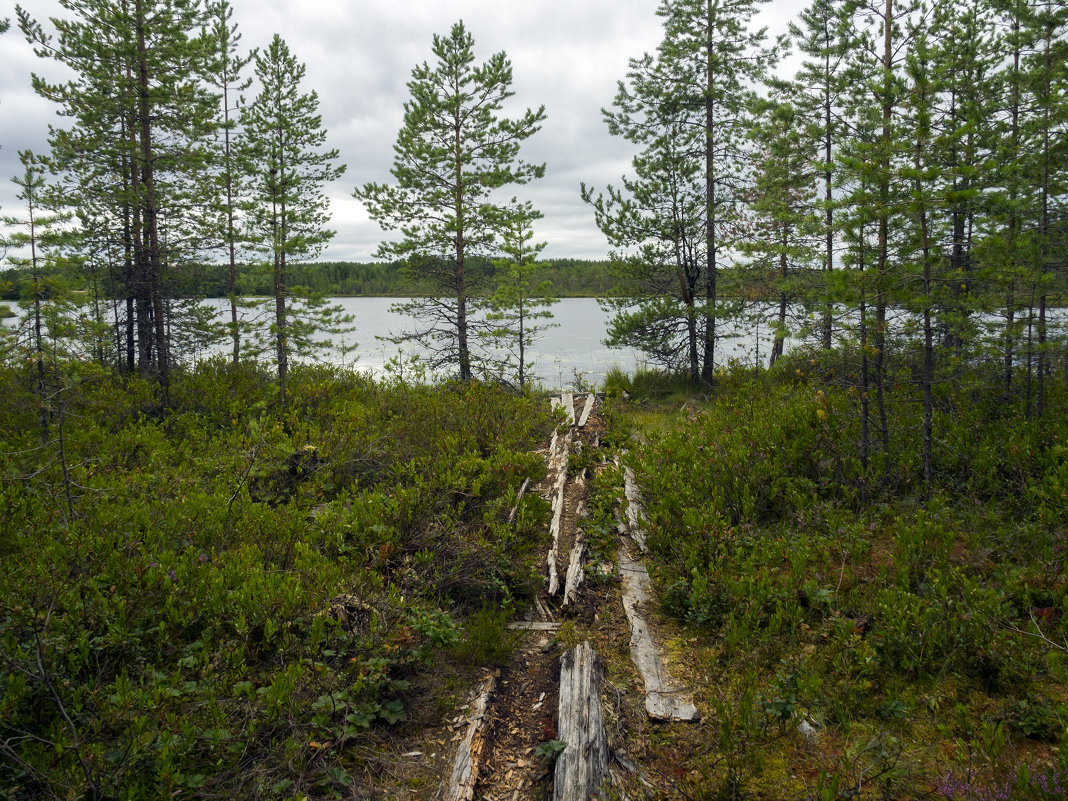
(563, 278)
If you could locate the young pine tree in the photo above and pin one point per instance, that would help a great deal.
(455, 150)
(285, 137)
(517, 305)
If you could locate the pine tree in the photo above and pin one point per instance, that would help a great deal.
(786, 223)
(224, 73)
(823, 34)
(41, 233)
(657, 220)
(289, 213)
(455, 149)
(517, 304)
(141, 122)
(713, 61)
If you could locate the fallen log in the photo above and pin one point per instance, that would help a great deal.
(634, 508)
(582, 765)
(664, 699)
(585, 416)
(532, 625)
(466, 767)
(568, 401)
(575, 573)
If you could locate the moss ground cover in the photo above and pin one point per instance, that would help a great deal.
(216, 596)
(851, 638)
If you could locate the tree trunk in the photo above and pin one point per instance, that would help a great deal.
(709, 367)
(827, 196)
(153, 258)
(461, 278)
(235, 331)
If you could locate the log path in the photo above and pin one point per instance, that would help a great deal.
(549, 693)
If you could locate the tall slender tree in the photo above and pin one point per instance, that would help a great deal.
(39, 234)
(455, 149)
(786, 222)
(289, 212)
(656, 219)
(714, 61)
(823, 34)
(142, 118)
(224, 74)
(518, 306)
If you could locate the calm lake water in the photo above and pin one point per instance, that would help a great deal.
(575, 345)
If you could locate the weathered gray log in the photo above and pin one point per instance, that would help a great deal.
(634, 508)
(585, 416)
(582, 765)
(467, 764)
(555, 528)
(542, 610)
(532, 625)
(568, 400)
(575, 573)
(554, 401)
(557, 468)
(664, 699)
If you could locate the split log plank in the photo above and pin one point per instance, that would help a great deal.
(466, 767)
(555, 528)
(557, 465)
(568, 399)
(575, 573)
(585, 416)
(532, 625)
(664, 699)
(634, 509)
(583, 764)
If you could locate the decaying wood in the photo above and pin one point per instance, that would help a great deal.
(466, 768)
(543, 610)
(575, 573)
(664, 699)
(582, 765)
(568, 400)
(554, 532)
(590, 398)
(554, 401)
(634, 508)
(532, 625)
(558, 468)
(518, 499)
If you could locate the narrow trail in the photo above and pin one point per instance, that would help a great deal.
(548, 692)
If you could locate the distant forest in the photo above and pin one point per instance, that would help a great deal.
(564, 278)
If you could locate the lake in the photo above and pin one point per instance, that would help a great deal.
(574, 346)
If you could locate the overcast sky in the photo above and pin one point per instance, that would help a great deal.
(566, 54)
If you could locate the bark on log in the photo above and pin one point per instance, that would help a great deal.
(585, 416)
(664, 699)
(582, 765)
(466, 767)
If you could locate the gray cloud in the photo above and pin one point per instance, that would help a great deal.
(566, 54)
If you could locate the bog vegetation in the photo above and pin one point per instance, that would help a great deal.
(218, 596)
(244, 576)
